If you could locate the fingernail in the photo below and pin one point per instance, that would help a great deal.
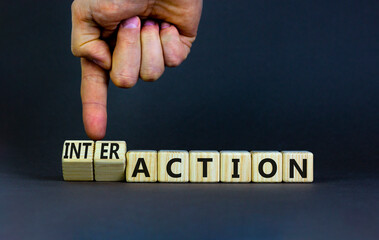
(165, 25)
(149, 23)
(130, 23)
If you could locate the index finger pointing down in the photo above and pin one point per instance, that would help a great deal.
(94, 88)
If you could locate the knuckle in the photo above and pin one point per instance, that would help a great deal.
(151, 74)
(106, 10)
(123, 80)
(174, 60)
(87, 50)
(93, 78)
(94, 103)
(110, 7)
(75, 51)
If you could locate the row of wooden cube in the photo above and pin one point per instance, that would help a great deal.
(110, 161)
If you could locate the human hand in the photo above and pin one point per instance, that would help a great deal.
(169, 28)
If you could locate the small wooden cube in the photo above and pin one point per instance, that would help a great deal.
(141, 166)
(297, 166)
(235, 166)
(109, 160)
(77, 160)
(204, 166)
(266, 166)
(173, 166)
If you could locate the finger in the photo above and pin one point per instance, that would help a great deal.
(94, 99)
(175, 50)
(85, 38)
(126, 58)
(152, 62)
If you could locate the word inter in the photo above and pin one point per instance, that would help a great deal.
(110, 161)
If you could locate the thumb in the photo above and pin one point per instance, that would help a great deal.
(85, 37)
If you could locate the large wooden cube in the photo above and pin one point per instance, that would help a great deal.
(141, 166)
(235, 166)
(77, 160)
(297, 166)
(173, 166)
(110, 160)
(267, 166)
(204, 166)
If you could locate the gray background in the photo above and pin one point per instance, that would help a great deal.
(277, 75)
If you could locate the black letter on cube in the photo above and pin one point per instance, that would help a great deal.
(293, 164)
(235, 168)
(205, 165)
(141, 161)
(169, 165)
(274, 168)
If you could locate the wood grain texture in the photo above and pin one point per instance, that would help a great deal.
(138, 161)
(235, 166)
(290, 159)
(77, 160)
(270, 163)
(168, 160)
(197, 161)
(110, 160)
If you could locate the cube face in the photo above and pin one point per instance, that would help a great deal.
(266, 166)
(173, 166)
(110, 160)
(141, 166)
(204, 166)
(297, 166)
(77, 160)
(235, 166)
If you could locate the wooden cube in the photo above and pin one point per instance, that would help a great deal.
(173, 166)
(77, 160)
(266, 166)
(204, 166)
(141, 166)
(235, 166)
(109, 160)
(297, 166)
